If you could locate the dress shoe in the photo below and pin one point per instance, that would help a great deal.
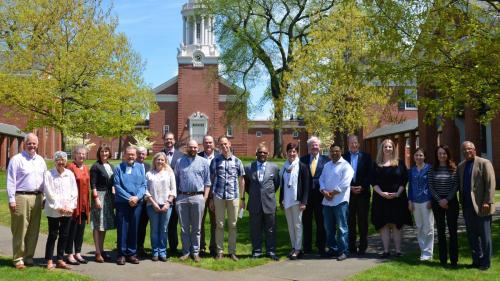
(120, 260)
(28, 262)
(342, 257)
(196, 258)
(332, 253)
(399, 254)
(184, 257)
(273, 256)
(163, 258)
(385, 255)
(141, 253)
(256, 255)
(483, 268)
(72, 261)
(106, 256)
(81, 260)
(295, 255)
(233, 257)
(62, 265)
(99, 258)
(132, 259)
(474, 265)
(219, 256)
(154, 258)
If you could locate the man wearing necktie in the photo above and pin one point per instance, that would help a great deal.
(315, 161)
(142, 153)
(261, 183)
(359, 203)
(172, 156)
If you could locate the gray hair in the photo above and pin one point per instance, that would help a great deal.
(313, 139)
(351, 137)
(468, 142)
(30, 135)
(131, 147)
(141, 149)
(60, 154)
(80, 147)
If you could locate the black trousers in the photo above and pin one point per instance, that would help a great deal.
(314, 208)
(479, 236)
(76, 231)
(358, 222)
(203, 245)
(143, 225)
(260, 224)
(447, 217)
(58, 230)
(173, 238)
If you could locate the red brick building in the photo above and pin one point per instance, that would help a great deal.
(193, 103)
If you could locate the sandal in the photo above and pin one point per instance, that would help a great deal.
(80, 259)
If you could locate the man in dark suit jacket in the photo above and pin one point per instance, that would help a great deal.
(359, 202)
(476, 178)
(172, 156)
(315, 161)
(261, 183)
(142, 153)
(208, 153)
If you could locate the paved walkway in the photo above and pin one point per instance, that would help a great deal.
(310, 268)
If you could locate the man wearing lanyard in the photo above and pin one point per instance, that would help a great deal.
(208, 153)
(228, 185)
(172, 156)
(25, 193)
(193, 185)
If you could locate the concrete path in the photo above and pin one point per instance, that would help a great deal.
(309, 268)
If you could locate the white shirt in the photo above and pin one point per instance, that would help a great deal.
(160, 186)
(336, 176)
(60, 192)
(290, 190)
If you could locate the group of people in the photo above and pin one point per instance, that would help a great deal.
(181, 189)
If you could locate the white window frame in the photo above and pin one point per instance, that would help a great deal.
(410, 93)
(258, 134)
(295, 134)
(166, 129)
(229, 131)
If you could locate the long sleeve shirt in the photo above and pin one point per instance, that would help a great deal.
(60, 192)
(418, 188)
(336, 177)
(129, 181)
(25, 173)
(442, 183)
(161, 185)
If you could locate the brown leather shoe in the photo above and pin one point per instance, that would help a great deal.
(99, 258)
(196, 258)
(132, 259)
(233, 257)
(62, 265)
(120, 260)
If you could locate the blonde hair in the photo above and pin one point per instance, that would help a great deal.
(166, 167)
(380, 153)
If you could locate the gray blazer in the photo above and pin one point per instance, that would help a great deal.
(262, 195)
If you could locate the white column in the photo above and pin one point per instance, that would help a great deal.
(202, 32)
(184, 31)
(194, 29)
(212, 31)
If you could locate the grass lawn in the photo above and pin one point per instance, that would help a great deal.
(244, 248)
(9, 273)
(410, 268)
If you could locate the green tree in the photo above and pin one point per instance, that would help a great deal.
(332, 84)
(257, 39)
(64, 65)
(451, 48)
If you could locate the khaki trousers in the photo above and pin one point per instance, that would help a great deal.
(25, 226)
(232, 207)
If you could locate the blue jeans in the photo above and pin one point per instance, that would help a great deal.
(159, 231)
(127, 220)
(337, 216)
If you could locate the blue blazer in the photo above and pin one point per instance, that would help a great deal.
(363, 171)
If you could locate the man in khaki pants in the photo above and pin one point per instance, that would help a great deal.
(228, 191)
(25, 193)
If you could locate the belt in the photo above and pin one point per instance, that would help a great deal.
(191, 193)
(29, 192)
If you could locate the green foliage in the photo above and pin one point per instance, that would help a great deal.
(64, 65)
(331, 77)
(449, 47)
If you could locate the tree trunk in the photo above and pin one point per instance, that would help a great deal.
(119, 146)
(278, 116)
(63, 141)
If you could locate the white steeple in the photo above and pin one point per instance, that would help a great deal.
(198, 40)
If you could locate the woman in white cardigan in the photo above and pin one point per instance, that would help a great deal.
(61, 195)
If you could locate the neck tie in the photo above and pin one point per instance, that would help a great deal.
(260, 171)
(314, 163)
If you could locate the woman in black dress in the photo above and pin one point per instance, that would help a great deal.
(389, 204)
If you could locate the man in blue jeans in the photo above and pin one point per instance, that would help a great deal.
(130, 186)
(335, 185)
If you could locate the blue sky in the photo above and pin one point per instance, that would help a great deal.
(154, 28)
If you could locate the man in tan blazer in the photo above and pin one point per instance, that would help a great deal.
(476, 179)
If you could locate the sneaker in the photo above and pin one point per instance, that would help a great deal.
(184, 257)
(163, 258)
(342, 257)
(234, 257)
(154, 258)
